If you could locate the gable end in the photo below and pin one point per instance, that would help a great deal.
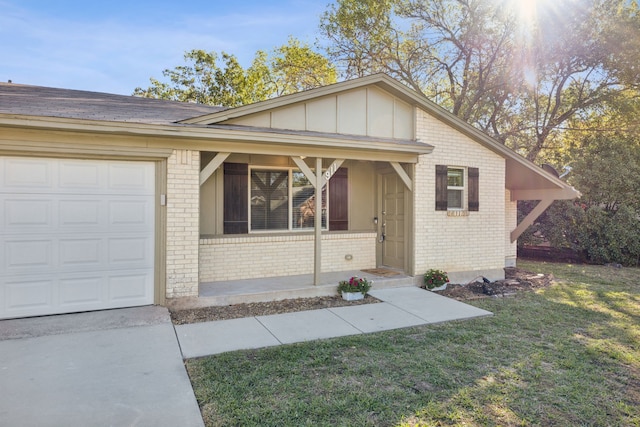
(367, 111)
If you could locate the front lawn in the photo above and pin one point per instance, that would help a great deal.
(565, 355)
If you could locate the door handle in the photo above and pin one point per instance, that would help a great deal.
(381, 239)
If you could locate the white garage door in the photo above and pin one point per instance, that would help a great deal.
(75, 235)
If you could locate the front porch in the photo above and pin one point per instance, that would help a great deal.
(266, 289)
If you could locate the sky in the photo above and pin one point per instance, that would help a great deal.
(115, 46)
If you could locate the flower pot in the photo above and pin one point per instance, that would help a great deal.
(352, 296)
(439, 288)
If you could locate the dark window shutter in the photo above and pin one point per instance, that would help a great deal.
(441, 187)
(236, 199)
(339, 200)
(474, 189)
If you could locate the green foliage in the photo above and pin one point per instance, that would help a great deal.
(296, 67)
(435, 278)
(209, 79)
(601, 236)
(606, 169)
(354, 285)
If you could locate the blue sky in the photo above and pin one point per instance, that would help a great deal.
(114, 45)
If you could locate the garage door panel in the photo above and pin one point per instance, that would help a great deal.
(29, 295)
(74, 175)
(27, 174)
(81, 290)
(130, 251)
(75, 235)
(131, 213)
(127, 178)
(27, 255)
(21, 214)
(81, 213)
(130, 286)
(80, 252)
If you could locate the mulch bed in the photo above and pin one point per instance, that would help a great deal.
(236, 311)
(515, 281)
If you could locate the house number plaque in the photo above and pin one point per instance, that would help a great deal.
(331, 171)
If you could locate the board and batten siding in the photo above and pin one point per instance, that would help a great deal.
(366, 112)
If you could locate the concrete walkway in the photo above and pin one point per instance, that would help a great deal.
(105, 368)
(401, 308)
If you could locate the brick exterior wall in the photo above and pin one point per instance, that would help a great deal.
(183, 223)
(255, 256)
(511, 219)
(469, 244)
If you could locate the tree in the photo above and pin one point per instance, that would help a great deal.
(290, 68)
(607, 171)
(296, 67)
(489, 62)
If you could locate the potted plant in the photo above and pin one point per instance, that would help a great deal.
(435, 280)
(354, 289)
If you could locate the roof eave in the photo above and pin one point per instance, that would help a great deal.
(212, 135)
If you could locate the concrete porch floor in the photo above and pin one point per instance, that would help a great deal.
(285, 287)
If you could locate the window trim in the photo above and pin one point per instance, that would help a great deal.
(462, 189)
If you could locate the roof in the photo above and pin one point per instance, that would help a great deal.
(79, 104)
(45, 108)
(189, 120)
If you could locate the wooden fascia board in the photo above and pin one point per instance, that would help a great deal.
(565, 193)
(228, 140)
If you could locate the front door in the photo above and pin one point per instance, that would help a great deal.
(392, 217)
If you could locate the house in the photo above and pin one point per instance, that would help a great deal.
(114, 201)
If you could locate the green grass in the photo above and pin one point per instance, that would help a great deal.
(568, 355)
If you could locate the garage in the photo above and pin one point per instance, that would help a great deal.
(75, 235)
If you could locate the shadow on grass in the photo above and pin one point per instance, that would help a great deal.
(565, 356)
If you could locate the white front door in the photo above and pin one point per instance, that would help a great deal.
(75, 235)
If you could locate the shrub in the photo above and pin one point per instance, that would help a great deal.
(598, 235)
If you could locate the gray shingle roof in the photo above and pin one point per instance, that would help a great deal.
(78, 104)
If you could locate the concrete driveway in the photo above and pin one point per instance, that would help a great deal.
(108, 368)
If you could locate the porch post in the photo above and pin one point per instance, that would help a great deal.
(318, 224)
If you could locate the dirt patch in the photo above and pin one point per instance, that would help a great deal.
(236, 311)
(516, 280)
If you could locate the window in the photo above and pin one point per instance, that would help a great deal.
(280, 199)
(283, 199)
(304, 202)
(451, 188)
(455, 188)
(269, 200)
